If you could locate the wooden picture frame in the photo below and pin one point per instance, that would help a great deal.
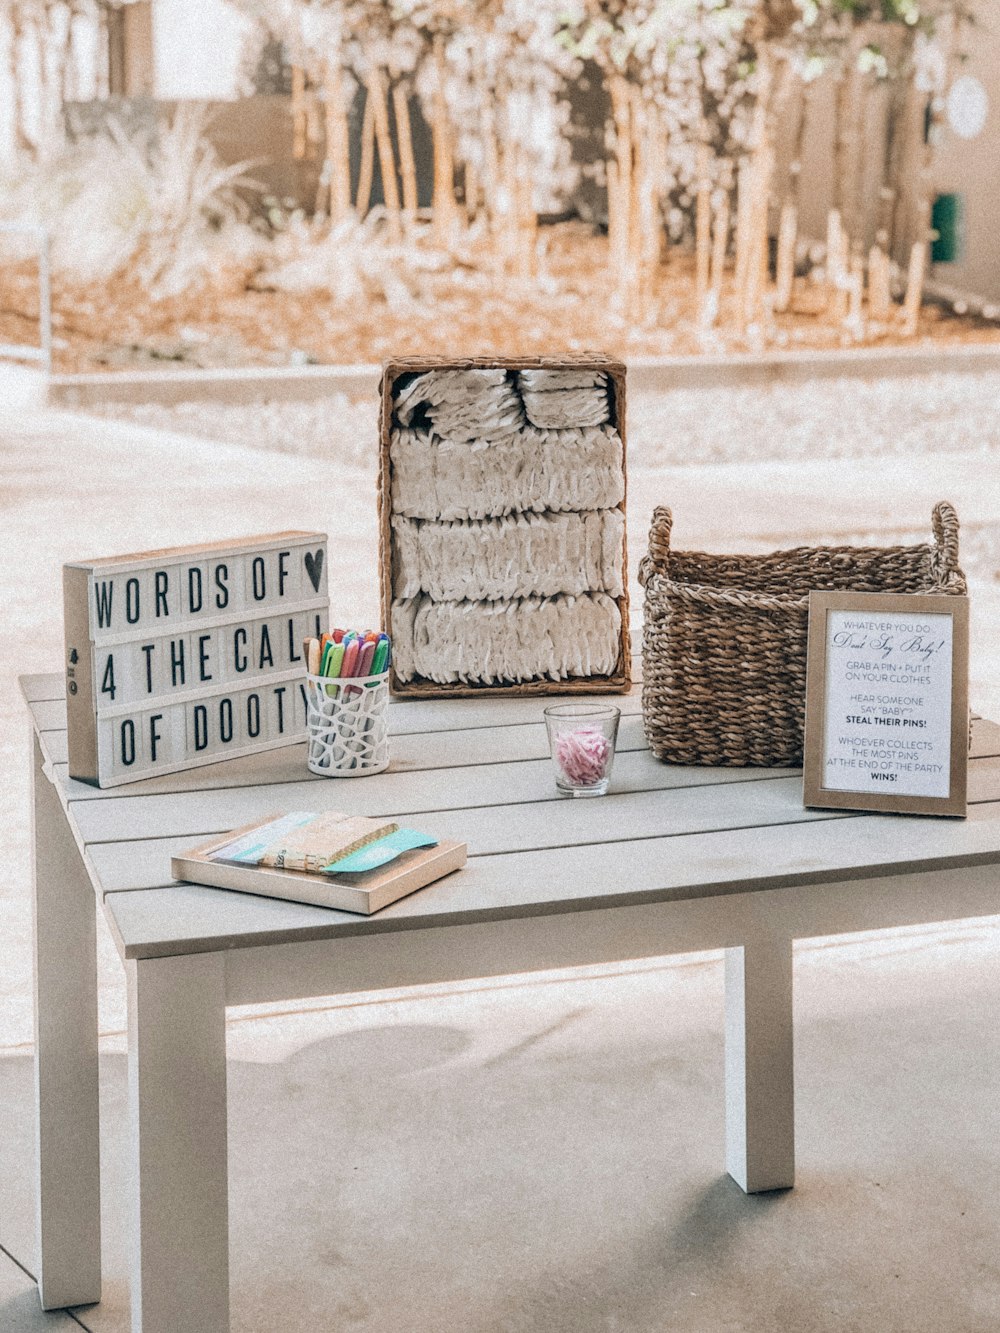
(882, 668)
(619, 681)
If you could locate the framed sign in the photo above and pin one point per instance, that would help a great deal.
(186, 656)
(887, 703)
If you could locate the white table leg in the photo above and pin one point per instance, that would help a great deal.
(177, 1105)
(67, 1121)
(760, 1099)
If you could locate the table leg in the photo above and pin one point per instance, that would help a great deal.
(177, 1106)
(67, 1119)
(760, 1099)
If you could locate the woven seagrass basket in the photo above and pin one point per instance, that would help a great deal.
(620, 679)
(724, 644)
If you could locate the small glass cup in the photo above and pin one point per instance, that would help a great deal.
(582, 744)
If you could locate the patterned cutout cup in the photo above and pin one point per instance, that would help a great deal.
(348, 723)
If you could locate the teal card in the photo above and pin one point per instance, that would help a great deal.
(380, 853)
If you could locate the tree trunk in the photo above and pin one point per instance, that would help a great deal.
(404, 136)
(298, 112)
(703, 228)
(471, 191)
(367, 167)
(886, 236)
(720, 244)
(879, 292)
(620, 216)
(527, 219)
(837, 267)
(9, 147)
(753, 204)
(920, 254)
(383, 139)
(70, 73)
(914, 288)
(788, 235)
(858, 228)
(849, 102)
(640, 212)
(444, 161)
(743, 193)
(52, 36)
(338, 148)
(752, 235)
(794, 196)
(492, 177)
(855, 300)
(757, 271)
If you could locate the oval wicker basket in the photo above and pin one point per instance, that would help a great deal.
(724, 641)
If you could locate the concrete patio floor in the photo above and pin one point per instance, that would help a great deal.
(547, 1158)
(544, 1154)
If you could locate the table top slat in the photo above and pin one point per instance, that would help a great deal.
(49, 714)
(185, 918)
(502, 786)
(669, 816)
(523, 741)
(177, 803)
(41, 687)
(412, 752)
(491, 830)
(407, 716)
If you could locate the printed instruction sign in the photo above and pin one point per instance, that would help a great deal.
(886, 712)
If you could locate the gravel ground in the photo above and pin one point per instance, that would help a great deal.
(826, 419)
(832, 419)
(304, 429)
(836, 419)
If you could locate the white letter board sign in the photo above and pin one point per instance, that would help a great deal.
(186, 656)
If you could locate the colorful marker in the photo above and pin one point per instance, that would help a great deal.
(347, 654)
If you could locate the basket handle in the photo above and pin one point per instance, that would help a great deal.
(657, 561)
(944, 523)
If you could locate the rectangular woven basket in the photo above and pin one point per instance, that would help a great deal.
(724, 643)
(620, 679)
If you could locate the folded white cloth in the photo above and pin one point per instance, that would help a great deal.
(497, 643)
(555, 409)
(522, 555)
(531, 471)
(439, 386)
(462, 405)
(546, 380)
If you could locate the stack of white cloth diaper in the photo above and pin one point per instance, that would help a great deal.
(555, 399)
(507, 529)
(463, 405)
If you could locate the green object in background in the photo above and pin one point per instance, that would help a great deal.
(948, 221)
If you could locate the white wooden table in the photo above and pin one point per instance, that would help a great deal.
(673, 860)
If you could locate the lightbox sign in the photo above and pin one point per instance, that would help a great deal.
(186, 656)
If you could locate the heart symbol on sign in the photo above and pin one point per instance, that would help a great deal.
(314, 567)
